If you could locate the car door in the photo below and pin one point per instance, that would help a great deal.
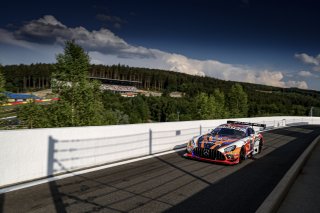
(249, 140)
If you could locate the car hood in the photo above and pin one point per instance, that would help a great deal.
(210, 141)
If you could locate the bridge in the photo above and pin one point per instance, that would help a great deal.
(139, 168)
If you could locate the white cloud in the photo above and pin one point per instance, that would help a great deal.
(50, 20)
(316, 68)
(8, 38)
(305, 74)
(48, 30)
(310, 60)
(298, 84)
(305, 58)
(220, 70)
(106, 48)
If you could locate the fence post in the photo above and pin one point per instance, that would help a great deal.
(51, 160)
(150, 142)
(200, 129)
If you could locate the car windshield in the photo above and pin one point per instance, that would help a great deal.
(228, 132)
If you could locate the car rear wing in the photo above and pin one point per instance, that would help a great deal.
(247, 123)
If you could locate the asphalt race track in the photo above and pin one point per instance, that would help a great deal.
(170, 183)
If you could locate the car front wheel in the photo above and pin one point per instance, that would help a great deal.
(260, 146)
(242, 155)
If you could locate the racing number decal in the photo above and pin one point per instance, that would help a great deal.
(249, 145)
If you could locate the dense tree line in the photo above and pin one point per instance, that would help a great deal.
(165, 108)
(24, 78)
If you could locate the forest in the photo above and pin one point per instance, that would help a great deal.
(204, 97)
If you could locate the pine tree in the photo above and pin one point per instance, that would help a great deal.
(2, 84)
(238, 101)
(80, 99)
(33, 115)
(206, 106)
(2, 96)
(221, 111)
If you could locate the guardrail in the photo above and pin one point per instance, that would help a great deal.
(36, 153)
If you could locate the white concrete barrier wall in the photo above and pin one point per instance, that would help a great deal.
(37, 153)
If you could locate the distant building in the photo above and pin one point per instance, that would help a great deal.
(124, 87)
(176, 94)
(18, 97)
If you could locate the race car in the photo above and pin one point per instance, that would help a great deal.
(229, 143)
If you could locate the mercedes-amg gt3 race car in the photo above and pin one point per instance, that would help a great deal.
(229, 143)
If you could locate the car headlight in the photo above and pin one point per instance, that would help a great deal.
(230, 148)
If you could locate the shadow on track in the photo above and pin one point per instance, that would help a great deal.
(247, 188)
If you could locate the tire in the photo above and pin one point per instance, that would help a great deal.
(242, 155)
(260, 146)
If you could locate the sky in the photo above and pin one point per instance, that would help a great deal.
(271, 42)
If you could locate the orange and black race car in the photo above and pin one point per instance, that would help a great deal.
(229, 143)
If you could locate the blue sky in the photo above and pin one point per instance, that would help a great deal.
(266, 42)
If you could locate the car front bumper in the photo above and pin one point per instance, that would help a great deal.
(227, 161)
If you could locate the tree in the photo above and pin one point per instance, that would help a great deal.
(238, 101)
(114, 117)
(221, 111)
(80, 99)
(2, 84)
(2, 96)
(205, 106)
(33, 115)
(138, 110)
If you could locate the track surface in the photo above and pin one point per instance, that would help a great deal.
(170, 183)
